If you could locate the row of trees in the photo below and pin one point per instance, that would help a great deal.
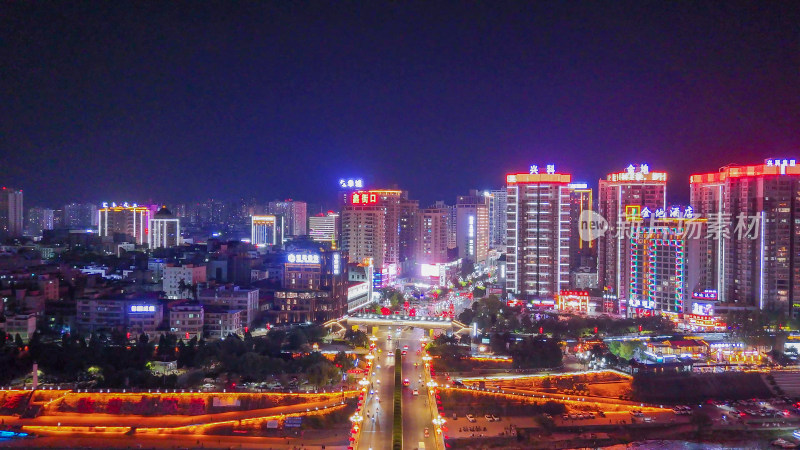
(493, 315)
(113, 361)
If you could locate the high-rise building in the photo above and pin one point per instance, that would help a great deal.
(754, 213)
(407, 234)
(451, 223)
(294, 215)
(472, 226)
(39, 219)
(365, 212)
(663, 261)
(324, 228)
(497, 218)
(132, 221)
(431, 236)
(364, 232)
(11, 213)
(266, 230)
(80, 215)
(165, 230)
(621, 194)
(582, 253)
(538, 236)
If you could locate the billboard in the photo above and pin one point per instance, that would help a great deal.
(429, 270)
(703, 309)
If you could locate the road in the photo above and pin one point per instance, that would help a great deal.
(416, 408)
(377, 434)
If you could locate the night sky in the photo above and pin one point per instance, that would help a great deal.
(158, 100)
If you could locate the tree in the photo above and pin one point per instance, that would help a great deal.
(357, 337)
(342, 361)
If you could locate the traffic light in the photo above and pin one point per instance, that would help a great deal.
(541, 330)
(595, 330)
(640, 328)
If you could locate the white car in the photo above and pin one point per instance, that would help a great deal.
(416, 392)
(471, 418)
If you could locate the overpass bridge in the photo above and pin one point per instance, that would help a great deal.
(396, 320)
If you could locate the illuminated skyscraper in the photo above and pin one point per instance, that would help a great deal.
(497, 218)
(165, 230)
(663, 262)
(131, 220)
(324, 228)
(409, 209)
(621, 195)
(581, 252)
(11, 213)
(39, 219)
(371, 229)
(294, 215)
(756, 211)
(538, 236)
(472, 226)
(451, 222)
(80, 215)
(432, 236)
(266, 230)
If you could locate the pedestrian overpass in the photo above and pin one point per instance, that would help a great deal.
(396, 320)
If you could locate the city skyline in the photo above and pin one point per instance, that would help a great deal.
(131, 101)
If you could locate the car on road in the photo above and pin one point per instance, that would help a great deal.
(488, 417)
(389, 337)
(391, 354)
(495, 418)
(471, 418)
(415, 392)
(405, 347)
(406, 382)
(404, 353)
(427, 432)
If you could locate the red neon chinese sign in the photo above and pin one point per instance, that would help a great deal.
(363, 198)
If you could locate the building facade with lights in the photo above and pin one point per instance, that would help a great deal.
(11, 213)
(132, 221)
(80, 215)
(132, 315)
(233, 298)
(497, 218)
(432, 236)
(755, 262)
(538, 234)
(623, 196)
(266, 230)
(582, 253)
(324, 228)
(294, 215)
(663, 263)
(165, 230)
(190, 274)
(472, 226)
(38, 220)
(371, 226)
